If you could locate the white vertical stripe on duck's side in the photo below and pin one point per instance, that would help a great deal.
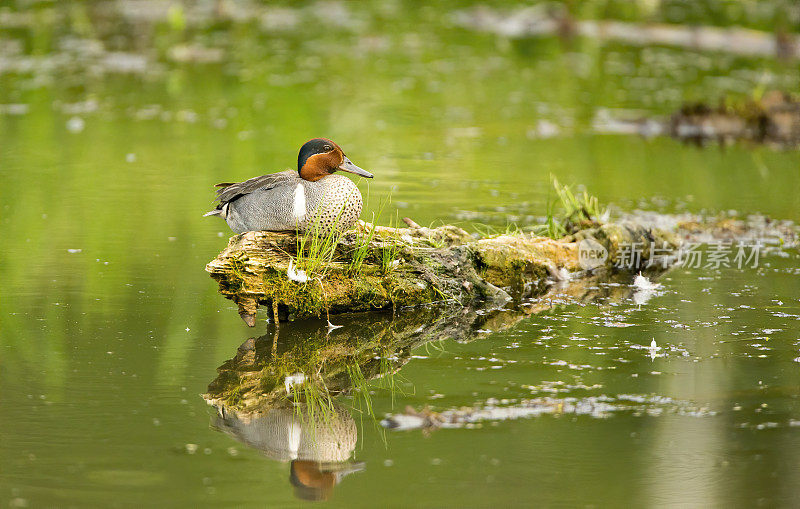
(299, 203)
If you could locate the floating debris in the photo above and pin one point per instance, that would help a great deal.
(562, 274)
(333, 327)
(292, 380)
(641, 297)
(599, 407)
(641, 282)
(408, 420)
(654, 349)
(195, 54)
(14, 109)
(75, 124)
(298, 276)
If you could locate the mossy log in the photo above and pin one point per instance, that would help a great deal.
(775, 119)
(411, 266)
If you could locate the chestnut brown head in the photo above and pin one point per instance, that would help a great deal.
(321, 157)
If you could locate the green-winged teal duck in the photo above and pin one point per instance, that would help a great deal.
(312, 198)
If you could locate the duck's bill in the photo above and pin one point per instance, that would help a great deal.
(348, 166)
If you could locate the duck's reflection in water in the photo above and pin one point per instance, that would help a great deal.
(318, 447)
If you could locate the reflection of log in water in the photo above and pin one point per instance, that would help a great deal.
(308, 428)
(369, 346)
(303, 424)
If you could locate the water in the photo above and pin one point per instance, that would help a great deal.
(111, 329)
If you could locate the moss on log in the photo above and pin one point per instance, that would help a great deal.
(409, 267)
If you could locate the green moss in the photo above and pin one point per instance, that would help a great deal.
(234, 396)
(235, 280)
(304, 298)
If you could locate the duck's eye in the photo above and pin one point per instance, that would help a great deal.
(327, 148)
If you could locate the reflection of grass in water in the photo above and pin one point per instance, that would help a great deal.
(437, 345)
(388, 378)
(360, 387)
(313, 404)
(311, 400)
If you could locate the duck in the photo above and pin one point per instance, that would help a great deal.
(312, 199)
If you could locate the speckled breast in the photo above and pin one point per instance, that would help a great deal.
(333, 202)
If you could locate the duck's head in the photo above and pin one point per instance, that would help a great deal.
(321, 157)
(310, 482)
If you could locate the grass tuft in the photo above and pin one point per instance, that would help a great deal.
(579, 211)
(578, 208)
(316, 246)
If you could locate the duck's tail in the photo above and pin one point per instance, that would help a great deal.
(215, 212)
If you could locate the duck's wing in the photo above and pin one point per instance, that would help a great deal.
(228, 192)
